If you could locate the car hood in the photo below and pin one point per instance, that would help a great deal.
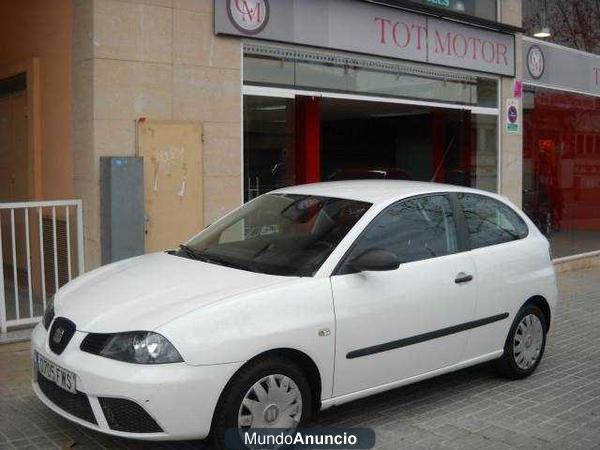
(146, 292)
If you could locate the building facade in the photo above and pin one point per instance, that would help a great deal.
(227, 99)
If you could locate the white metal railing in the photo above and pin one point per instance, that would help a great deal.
(35, 263)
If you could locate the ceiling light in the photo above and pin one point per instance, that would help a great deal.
(459, 6)
(543, 32)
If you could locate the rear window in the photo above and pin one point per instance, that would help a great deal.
(491, 222)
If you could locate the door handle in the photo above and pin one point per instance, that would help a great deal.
(463, 278)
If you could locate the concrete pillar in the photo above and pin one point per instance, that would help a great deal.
(511, 145)
(157, 59)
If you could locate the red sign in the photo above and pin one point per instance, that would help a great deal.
(401, 33)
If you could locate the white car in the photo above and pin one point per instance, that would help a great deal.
(302, 299)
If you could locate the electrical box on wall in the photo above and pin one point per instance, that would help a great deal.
(122, 207)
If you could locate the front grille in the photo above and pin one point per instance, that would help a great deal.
(127, 416)
(48, 316)
(77, 405)
(60, 335)
(94, 343)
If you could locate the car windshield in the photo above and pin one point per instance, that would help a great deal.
(278, 234)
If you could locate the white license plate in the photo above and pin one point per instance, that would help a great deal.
(59, 376)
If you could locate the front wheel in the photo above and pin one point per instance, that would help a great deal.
(525, 344)
(267, 393)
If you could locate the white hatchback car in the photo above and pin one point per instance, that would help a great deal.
(302, 299)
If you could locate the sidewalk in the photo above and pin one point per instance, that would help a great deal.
(557, 408)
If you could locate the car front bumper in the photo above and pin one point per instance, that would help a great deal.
(168, 402)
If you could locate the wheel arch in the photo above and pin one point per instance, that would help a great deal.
(542, 303)
(304, 362)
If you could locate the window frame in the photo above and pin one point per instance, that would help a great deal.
(461, 230)
(465, 225)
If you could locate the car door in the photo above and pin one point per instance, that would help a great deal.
(392, 325)
(511, 268)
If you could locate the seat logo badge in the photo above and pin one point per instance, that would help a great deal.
(271, 414)
(535, 62)
(324, 332)
(58, 335)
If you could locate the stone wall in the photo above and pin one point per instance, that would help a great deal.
(157, 59)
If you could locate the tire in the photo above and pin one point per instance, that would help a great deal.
(230, 404)
(520, 361)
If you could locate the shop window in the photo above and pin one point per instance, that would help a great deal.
(376, 78)
(561, 168)
(269, 145)
(486, 9)
(286, 143)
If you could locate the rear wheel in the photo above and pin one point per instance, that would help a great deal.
(268, 393)
(525, 344)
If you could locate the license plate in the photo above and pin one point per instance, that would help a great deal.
(59, 376)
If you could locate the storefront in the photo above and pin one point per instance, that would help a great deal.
(561, 145)
(335, 90)
(294, 91)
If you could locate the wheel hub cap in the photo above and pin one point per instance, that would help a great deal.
(273, 402)
(271, 413)
(528, 341)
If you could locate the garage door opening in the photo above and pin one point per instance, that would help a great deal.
(297, 140)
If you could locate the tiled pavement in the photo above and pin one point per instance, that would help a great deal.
(557, 408)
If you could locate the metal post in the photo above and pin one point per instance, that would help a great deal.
(3, 327)
(42, 268)
(68, 241)
(26, 210)
(14, 262)
(54, 244)
(80, 249)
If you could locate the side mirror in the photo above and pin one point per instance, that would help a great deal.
(375, 260)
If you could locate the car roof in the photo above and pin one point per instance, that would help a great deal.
(374, 191)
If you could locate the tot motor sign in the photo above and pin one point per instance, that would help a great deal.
(371, 29)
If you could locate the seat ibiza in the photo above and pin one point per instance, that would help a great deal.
(302, 299)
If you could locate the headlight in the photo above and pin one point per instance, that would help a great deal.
(139, 347)
(48, 313)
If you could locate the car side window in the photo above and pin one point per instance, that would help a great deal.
(491, 222)
(414, 229)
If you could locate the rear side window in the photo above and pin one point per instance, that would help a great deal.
(491, 222)
(414, 229)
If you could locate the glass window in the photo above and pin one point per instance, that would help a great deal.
(276, 72)
(561, 168)
(269, 145)
(491, 222)
(364, 139)
(380, 82)
(486, 9)
(278, 234)
(414, 229)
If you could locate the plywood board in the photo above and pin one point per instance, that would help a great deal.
(173, 181)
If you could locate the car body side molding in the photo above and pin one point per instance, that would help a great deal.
(424, 337)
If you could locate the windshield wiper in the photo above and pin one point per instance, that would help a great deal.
(224, 262)
(190, 252)
(194, 254)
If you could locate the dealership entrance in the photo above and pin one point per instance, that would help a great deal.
(314, 115)
(309, 139)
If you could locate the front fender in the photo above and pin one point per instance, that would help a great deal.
(239, 328)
